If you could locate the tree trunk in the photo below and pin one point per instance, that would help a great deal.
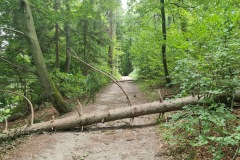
(85, 43)
(57, 45)
(129, 63)
(164, 34)
(57, 60)
(110, 115)
(48, 86)
(106, 116)
(68, 43)
(111, 38)
(68, 51)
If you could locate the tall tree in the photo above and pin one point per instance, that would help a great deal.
(164, 34)
(68, 43)
(111, 38)
(46, 81)
(85, 45)
(93, 36)
(57, 29)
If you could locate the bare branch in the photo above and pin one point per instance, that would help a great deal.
(80, 106)
(13, 30)
(181, 6)
(14, 65)
(236, 152)
(160, 96)
(6, 125)
(106, 74)
(29, 102)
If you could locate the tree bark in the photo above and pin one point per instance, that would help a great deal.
(68, 52)
(110, 115)
(111, 38)
(48, 86)
(164, 34)
(68, 43)
(85, 45)
(57, 60)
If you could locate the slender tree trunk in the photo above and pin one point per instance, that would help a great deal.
(48, 86)
(111, 37)
(183, 19)
(68, 43)
(85, 28)
(129, 64)
(164, 34)
(57, 45)
(56, 38)
(68, 50)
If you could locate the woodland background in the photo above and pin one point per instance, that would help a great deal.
(191, 45)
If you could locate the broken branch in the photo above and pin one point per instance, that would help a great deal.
(107, 75)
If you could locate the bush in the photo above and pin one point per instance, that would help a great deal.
(211, 125)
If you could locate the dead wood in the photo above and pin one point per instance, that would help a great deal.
(29, 102)
(79, 108)
(110, 115)
(107, 75)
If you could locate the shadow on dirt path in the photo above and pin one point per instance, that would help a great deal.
(117, 140)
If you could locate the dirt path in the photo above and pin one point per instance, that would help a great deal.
(118, 140)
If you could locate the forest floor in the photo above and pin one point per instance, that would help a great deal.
(117, 140)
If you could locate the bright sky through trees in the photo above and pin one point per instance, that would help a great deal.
(124, 4)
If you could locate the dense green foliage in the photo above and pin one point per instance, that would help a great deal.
(203, 59)
(195, 31)
(82, 27)
(202, 52)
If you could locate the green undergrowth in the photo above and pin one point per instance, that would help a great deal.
(149, 88)
(133, 74)
(77, 86)
(203, 132)
(116, 74)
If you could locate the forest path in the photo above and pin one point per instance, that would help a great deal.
(117, 140)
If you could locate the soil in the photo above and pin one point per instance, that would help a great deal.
(117, 140)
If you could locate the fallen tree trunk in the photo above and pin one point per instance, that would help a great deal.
(110, 115)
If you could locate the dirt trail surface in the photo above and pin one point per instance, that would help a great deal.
(117, 140)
